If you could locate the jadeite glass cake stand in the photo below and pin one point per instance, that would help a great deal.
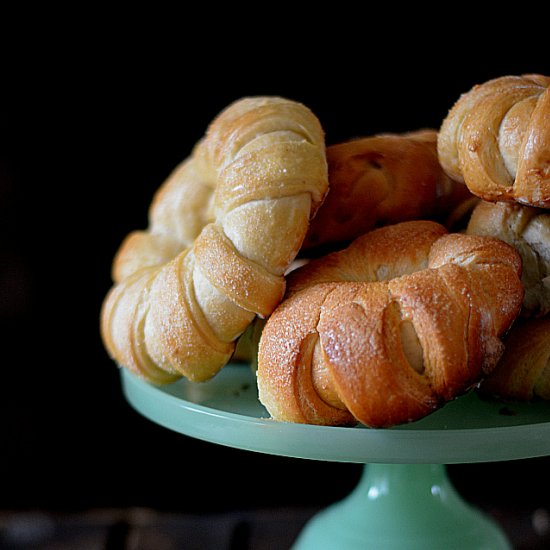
(404, 499)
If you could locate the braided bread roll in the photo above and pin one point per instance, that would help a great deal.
(496, 138)
(381, 180)
(527, 229)
(223, 229)
(523, 373)
(387, 330)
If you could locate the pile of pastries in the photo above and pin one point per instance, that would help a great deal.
(370, 281)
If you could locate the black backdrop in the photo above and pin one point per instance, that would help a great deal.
(91, 124)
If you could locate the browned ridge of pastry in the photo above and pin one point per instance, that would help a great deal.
(223, 230)
(527, 229)
(386, 331)
(523, 373)
(496, 138)
(381, 180)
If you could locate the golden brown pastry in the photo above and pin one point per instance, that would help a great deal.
(496, 138)
(528, 230)
(389, 329)
(223, 230)
(380, 180)
(523, 373)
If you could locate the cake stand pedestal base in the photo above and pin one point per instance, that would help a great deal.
(396, 506)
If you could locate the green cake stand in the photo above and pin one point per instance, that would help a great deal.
(404, 499)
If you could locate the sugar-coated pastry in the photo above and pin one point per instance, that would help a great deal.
(391, 328)
(223, 230)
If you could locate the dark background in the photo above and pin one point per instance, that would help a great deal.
(91, 122)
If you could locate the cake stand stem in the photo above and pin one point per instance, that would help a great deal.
(397, 506)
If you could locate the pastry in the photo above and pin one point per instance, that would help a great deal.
(223, 230)
(386, 331)
(528, 230)
(496, 138)
(523, 373)
(380, 180)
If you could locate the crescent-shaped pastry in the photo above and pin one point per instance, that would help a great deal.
(223, 230)
(496, 138)
(386, 331)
